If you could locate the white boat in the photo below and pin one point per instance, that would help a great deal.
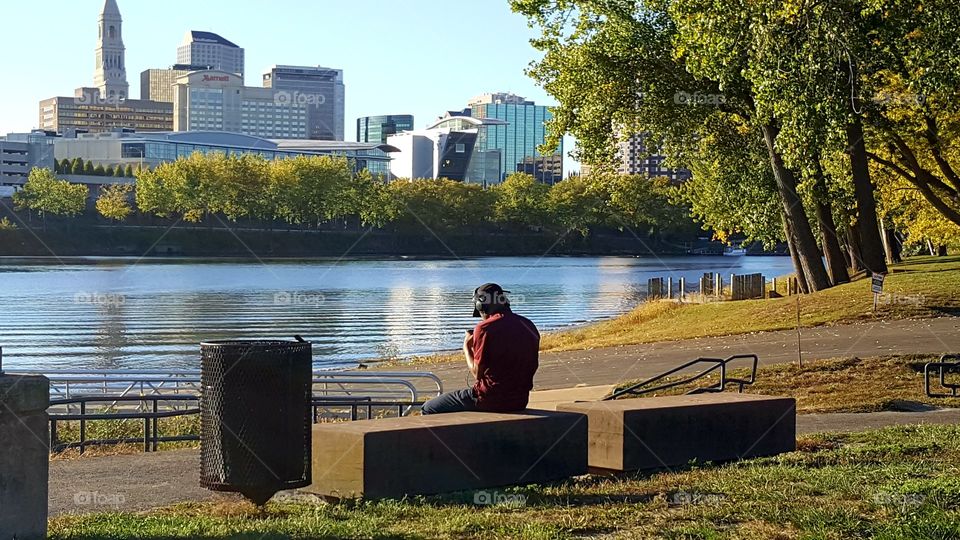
(733, 251)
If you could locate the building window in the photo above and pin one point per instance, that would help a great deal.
(460, 148)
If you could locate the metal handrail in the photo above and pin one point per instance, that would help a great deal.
(151, 437)
(715, 364)
(68, 383)
(948, 363)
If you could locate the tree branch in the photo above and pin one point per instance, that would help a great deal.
(933, 137)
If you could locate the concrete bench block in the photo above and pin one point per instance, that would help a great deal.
(24, 456)
(662, 432)
(422, 455)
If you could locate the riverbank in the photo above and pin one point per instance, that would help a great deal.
(211, 242)
(918, 288)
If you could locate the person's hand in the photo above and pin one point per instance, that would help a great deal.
(468, 339)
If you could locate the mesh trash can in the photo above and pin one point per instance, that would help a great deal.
(255, 416)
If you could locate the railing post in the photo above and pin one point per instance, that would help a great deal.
(681, 289)
(156, 431)
(53, 434)
(146, 434)
(83, 426)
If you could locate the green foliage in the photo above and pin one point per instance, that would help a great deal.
(438, 204)
(522, 200)
(99, 170)
(45, 193)
(128, 172)
(62, 166)
(7, 225)
(89, 169)
(76, 166)
(312, 190)
(114, 201)
(578, 203)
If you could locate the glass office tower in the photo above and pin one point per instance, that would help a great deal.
(518, 141)
(376, 129)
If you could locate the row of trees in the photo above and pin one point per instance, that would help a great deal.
(792, 115)
(316, 190)
(78, 166)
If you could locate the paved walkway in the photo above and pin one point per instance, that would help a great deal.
(617, 364)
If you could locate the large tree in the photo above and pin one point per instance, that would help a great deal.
(663, 68)
(43, 192)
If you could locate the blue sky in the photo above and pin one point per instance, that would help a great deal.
(420, 57)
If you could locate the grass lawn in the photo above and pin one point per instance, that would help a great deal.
(840, 384)
(920, 287)
(891, 484)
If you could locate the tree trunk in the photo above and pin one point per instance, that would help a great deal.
(845, 247)
(891, 245)
(853, 238)
(836, 265)
(871, 245)
(792, 248)
(808, 261)
(941, 250)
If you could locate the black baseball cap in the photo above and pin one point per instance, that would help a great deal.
(489, 294)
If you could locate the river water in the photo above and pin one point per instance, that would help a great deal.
(153, 313)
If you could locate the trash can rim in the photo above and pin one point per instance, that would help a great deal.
(254, 342)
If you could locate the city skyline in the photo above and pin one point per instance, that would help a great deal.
(404, 81)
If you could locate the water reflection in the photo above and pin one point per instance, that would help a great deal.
(124, 314)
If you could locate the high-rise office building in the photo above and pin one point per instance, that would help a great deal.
(319, 89)
(218, 101)
(636, 158)
(378, 128)
(157, 84)
(110, 75)
(520, 138)
(87, 111)
(209, 49)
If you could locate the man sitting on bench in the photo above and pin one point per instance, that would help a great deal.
(502, 354)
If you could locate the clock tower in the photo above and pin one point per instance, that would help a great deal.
(110, 76)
